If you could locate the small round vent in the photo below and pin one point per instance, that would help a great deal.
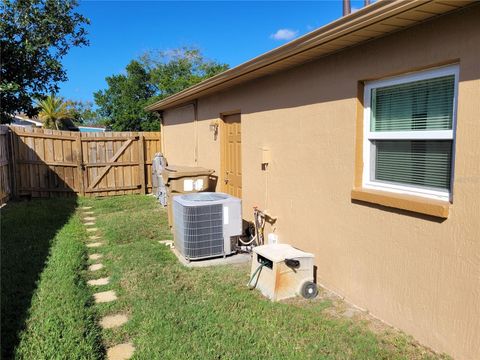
(204, 197)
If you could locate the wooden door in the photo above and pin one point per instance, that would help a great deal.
(232, 155)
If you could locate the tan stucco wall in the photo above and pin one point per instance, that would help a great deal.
(415, 272)
(179, 136)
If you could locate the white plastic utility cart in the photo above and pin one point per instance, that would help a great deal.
(281, 271)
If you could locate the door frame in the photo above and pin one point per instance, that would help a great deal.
(223, 146)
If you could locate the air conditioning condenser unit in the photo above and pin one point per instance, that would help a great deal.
(204, 224)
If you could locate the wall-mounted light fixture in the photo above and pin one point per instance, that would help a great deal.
(214, 128)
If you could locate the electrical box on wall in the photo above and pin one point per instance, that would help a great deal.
(266, 155)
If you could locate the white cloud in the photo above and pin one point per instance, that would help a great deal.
(284, 34)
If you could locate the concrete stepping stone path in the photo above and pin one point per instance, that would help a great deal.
(94, 256)
(94, 245)
(99, 282)
(95, 267)
(121, 352)
(105, 296)
(112, 321)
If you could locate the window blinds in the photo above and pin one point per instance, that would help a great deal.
(414, 106)
(425, 163)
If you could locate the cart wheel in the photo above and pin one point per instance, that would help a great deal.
(309, 290)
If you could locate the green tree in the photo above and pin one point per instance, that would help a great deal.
(175, 70)
(34, 37)
(123, 101)
(53, 112)
(83, 113)
(152, 77)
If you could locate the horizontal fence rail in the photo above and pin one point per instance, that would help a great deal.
(48, 163)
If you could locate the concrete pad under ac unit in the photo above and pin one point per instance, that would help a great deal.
(219, 261)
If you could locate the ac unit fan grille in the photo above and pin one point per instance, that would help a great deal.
(199, 230)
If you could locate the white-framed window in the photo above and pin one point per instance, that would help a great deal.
(409, 133)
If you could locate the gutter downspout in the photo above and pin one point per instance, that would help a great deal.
(162, 135)
(195, 129)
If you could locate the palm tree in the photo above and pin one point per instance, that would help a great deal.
(52, 111)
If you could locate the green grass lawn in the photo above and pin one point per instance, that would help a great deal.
(175, 312)
(46, 312)
(208, 313)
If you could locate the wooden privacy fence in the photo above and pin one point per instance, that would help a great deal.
(62, 163)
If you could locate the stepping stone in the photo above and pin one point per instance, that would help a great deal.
(105, 296)
(94, 256)
(89, 224)
(89, 218)
(94, 245)
(89, 213)
(95, 267)
(168, 243)
(165, 241)
(99, 282)
(94, 237)
(92, 229)
(86, 207)
(121, 352)
(111, 321)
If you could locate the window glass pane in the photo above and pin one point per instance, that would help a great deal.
(425, 163)
(414, 106)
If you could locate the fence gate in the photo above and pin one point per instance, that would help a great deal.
(112, 164)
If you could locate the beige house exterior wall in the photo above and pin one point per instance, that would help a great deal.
(179, 136)
(416, 272)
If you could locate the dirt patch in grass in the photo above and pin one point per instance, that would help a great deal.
(393, 339)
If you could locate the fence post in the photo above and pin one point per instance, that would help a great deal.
(5, 165)
(11, 159)
(141, 163)
(80, 167)
(13, 139)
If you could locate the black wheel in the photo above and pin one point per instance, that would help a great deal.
(309, 290)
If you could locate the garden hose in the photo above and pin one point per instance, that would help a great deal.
(249, 242)
(257, 271)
